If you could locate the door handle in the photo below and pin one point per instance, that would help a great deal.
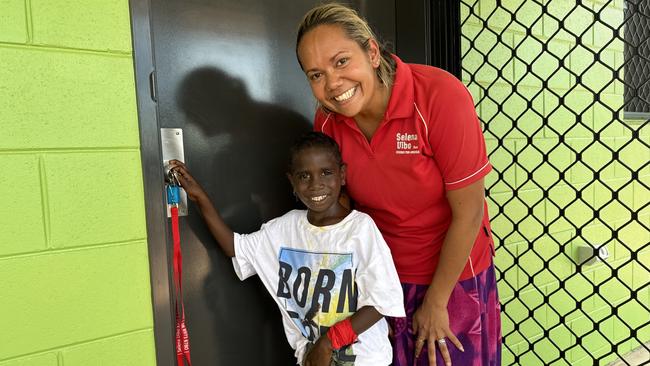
(171, 140)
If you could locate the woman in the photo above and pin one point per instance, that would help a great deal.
(416, 162)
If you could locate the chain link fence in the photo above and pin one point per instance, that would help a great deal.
(562, 88)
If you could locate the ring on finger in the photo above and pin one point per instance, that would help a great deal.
(420, 340)
(442, 341)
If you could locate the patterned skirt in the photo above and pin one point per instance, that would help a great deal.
(474, 317)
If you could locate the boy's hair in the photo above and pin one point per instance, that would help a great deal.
(314, 139)
(355, 27)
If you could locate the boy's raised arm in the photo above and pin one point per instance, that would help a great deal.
(220, 231)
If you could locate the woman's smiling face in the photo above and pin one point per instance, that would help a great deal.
(342, 75)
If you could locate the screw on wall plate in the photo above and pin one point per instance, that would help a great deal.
(603, 253)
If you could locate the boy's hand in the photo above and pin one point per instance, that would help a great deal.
(190, 185)
(320, 354)
(215, 223)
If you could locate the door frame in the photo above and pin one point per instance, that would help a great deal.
(153, 178)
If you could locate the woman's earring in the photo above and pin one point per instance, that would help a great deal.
(295, 196)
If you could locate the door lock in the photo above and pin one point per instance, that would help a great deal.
(172, 148)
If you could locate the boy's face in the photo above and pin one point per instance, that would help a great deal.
(317, 179)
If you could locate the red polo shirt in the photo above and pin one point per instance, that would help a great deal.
(429, 141)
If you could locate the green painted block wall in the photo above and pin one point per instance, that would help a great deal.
(13, 22)
(550, 111)
(73, 252)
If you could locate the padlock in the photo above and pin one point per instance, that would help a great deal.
(173, 194)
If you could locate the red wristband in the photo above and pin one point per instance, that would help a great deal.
(341, 334)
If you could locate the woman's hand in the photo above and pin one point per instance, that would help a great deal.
(320, 354)
(190, 185)
(431, 325)
(431, 320)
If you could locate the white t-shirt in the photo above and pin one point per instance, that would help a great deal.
(321, 275)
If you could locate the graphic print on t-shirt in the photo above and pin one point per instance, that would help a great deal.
(316, 289)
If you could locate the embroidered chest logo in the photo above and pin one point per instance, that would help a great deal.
(406, 143)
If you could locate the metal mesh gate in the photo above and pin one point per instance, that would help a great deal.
(570, 195)
(637, 57)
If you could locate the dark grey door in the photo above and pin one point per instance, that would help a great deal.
(227, 74)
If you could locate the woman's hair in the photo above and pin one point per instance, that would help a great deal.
(311, 140)
(355, 27)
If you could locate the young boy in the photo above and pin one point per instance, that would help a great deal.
(327, 267)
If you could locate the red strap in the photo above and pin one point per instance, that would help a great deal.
(178, 257)
(182, 340)
(182, 336)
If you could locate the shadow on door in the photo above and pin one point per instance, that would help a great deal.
(237, 148)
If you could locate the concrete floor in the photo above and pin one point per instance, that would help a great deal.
(638, 357)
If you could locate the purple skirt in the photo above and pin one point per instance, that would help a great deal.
(474, 317)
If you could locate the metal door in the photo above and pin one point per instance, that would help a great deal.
(226, 73)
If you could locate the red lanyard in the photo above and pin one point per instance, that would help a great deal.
(182, 337)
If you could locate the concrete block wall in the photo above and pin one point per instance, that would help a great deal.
(75, 288)
(547, 131)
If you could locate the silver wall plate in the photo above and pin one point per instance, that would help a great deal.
(172, 148)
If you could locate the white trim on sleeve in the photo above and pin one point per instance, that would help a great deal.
(469, 176)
